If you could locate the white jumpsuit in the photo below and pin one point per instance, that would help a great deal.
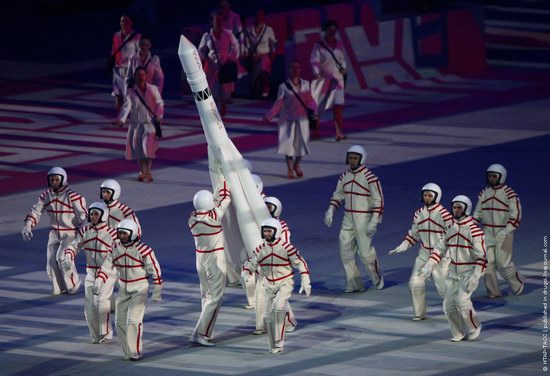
(328, 90)
(464, 245)
(122, 60)
(67, 212)
(118, 211)
(428, 227)
(96, 241)
(498, 208)
(135, 262)
(364, 202)
(290, 319)
(276, 260)
(207, 231)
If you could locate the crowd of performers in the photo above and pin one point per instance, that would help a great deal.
(456, 248)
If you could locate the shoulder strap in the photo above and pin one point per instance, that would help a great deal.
(128, 38)
(259, 39)
(331, 53)
(214, 47)
(142, 100)
(289, 87)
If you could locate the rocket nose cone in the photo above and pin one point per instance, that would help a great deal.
(189, 56)
(185, 46)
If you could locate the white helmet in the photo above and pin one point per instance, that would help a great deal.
(203, 200)
(499, 169)
(101, 208)
(277, 204)
(129, 226)
(275, 225)
(58, 171)
(465, 201)
(113, 186)
(248, 165)
(259, 182)
(435, 189)
(358, 149)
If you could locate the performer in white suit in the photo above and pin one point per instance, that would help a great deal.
(135, 263)
(361, 192)
(464, 244)
(206, 227)
(110, 192)
(293, 119)
(429, 225)
(67, 212)
(96, 240)
(276, 259)
(142, 106)
(328, 64)
(499, 210)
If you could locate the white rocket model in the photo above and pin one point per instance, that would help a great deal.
(245, 196)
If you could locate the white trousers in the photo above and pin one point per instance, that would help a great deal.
(97, 308)
(130, 308)
(353, 240)
(276, 301)
(62, 280)
(417, 285)
(212, 277)
(260, 309)
(458, 307)
(499, 258)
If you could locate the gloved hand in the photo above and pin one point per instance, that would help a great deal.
(399, 249)
(157, 294)
(328, 216)
(67, 263)
(244, 278)
(501, 236)
(97, 286)
(371, 228)
(471, 283)
(426, 271)
(306, 289)
(26, 232)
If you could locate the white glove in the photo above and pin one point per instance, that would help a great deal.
(328, 216)
(26, 232)
(244, 278)
(67, 263)
(97, 286)
(426, 271)
(471, 283)
(371, 228)
(399, 249)
(157, 294)
(501, 236)
(306, 289)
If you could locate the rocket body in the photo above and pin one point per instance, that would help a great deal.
(246, 199)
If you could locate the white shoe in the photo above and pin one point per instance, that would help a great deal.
(475, 334)
(419, 318)
(248, 306)
(200, 340)
(125, 357)
(458, 338)
(258, 332)
(276, 350)
(290, 328)
(380, 284)
(520, 290)
(105, 340)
